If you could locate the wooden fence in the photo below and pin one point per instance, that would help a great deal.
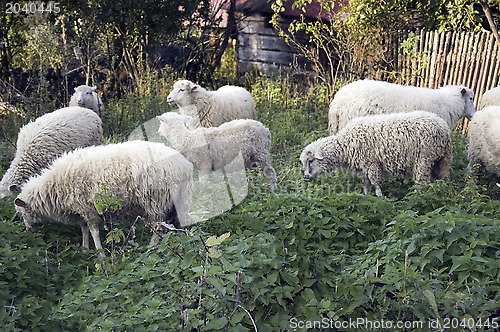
(437, 59)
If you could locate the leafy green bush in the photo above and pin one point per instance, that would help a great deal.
(309, 251)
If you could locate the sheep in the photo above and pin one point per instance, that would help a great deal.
(86, 96)
(41, 141)
(213, 148)
(484, 141)
(490, 98)
(368, 97)
(211, 108)
(148, 178)
(415, 143)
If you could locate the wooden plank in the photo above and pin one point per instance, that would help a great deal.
(271, 57)
(263, 42)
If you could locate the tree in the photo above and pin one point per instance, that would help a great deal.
(353, 38)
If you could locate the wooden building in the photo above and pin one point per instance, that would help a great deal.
(259, 45)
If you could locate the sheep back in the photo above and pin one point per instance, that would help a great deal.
(490, 98)
(149, 178)
(484, 140)
(41, 141)
(368, 97)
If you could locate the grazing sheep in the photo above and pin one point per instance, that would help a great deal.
(367, 97)
(211, 108)
(484, 140)
(211, 149)
(490, 98)
(415, 143)
(85, 96)
(149, 179)
(43, 140)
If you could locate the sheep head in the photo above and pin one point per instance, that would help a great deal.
(32, 220)
(182, 94)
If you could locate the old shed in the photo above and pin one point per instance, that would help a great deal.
(259, 45)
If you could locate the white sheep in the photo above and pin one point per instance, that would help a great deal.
(86, 96)
(211, 108)
(368, 97)
(484, 140)
(490, 98)
(149, 179)
(213, 148)
(43, 140)
(415, 143)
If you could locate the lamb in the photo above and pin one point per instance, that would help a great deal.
(490, 98)
(147, 177)
(43, 140)
(415, 143)
(484, 141)
(213, 148)
(368, 97)
(211, 108)
(86, 96)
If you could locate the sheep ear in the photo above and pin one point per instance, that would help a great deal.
(463, 91)
(195, 87)
(160, 117)
(13, 188)
(318, 155)
(75, 89)
(19, 202)
(93, 88)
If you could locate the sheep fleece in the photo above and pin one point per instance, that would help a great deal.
(484, 140)
(213, 148)
(398, 143)
(368, 97)
(212, 108)
(147, 176)
(43, 140)
(490, 98)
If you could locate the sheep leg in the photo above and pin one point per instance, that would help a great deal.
(93, 226)
(269, 172)
(374, 175)
(85, 236)
(366, 185)
(182, 202)
(422, 174)
(204, 173)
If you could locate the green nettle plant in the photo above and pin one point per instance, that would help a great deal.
(308, 256)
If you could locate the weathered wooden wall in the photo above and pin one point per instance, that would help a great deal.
(260, 46)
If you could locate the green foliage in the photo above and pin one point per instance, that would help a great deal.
(309, 251)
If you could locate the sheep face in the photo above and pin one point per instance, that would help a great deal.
(84, 96)
(32, 219)
(314, 163)
(468, 96)
(181, 95)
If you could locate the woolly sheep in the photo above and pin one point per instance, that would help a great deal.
(86, 96)
(368, 97)
(490, 98)
(148, 178)
(415, 143)
(43, 140)
(211, 108)
(484, 140)
(213, 148)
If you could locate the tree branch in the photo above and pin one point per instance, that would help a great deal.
(489, 17)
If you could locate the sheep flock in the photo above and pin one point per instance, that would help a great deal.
(375, 128)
